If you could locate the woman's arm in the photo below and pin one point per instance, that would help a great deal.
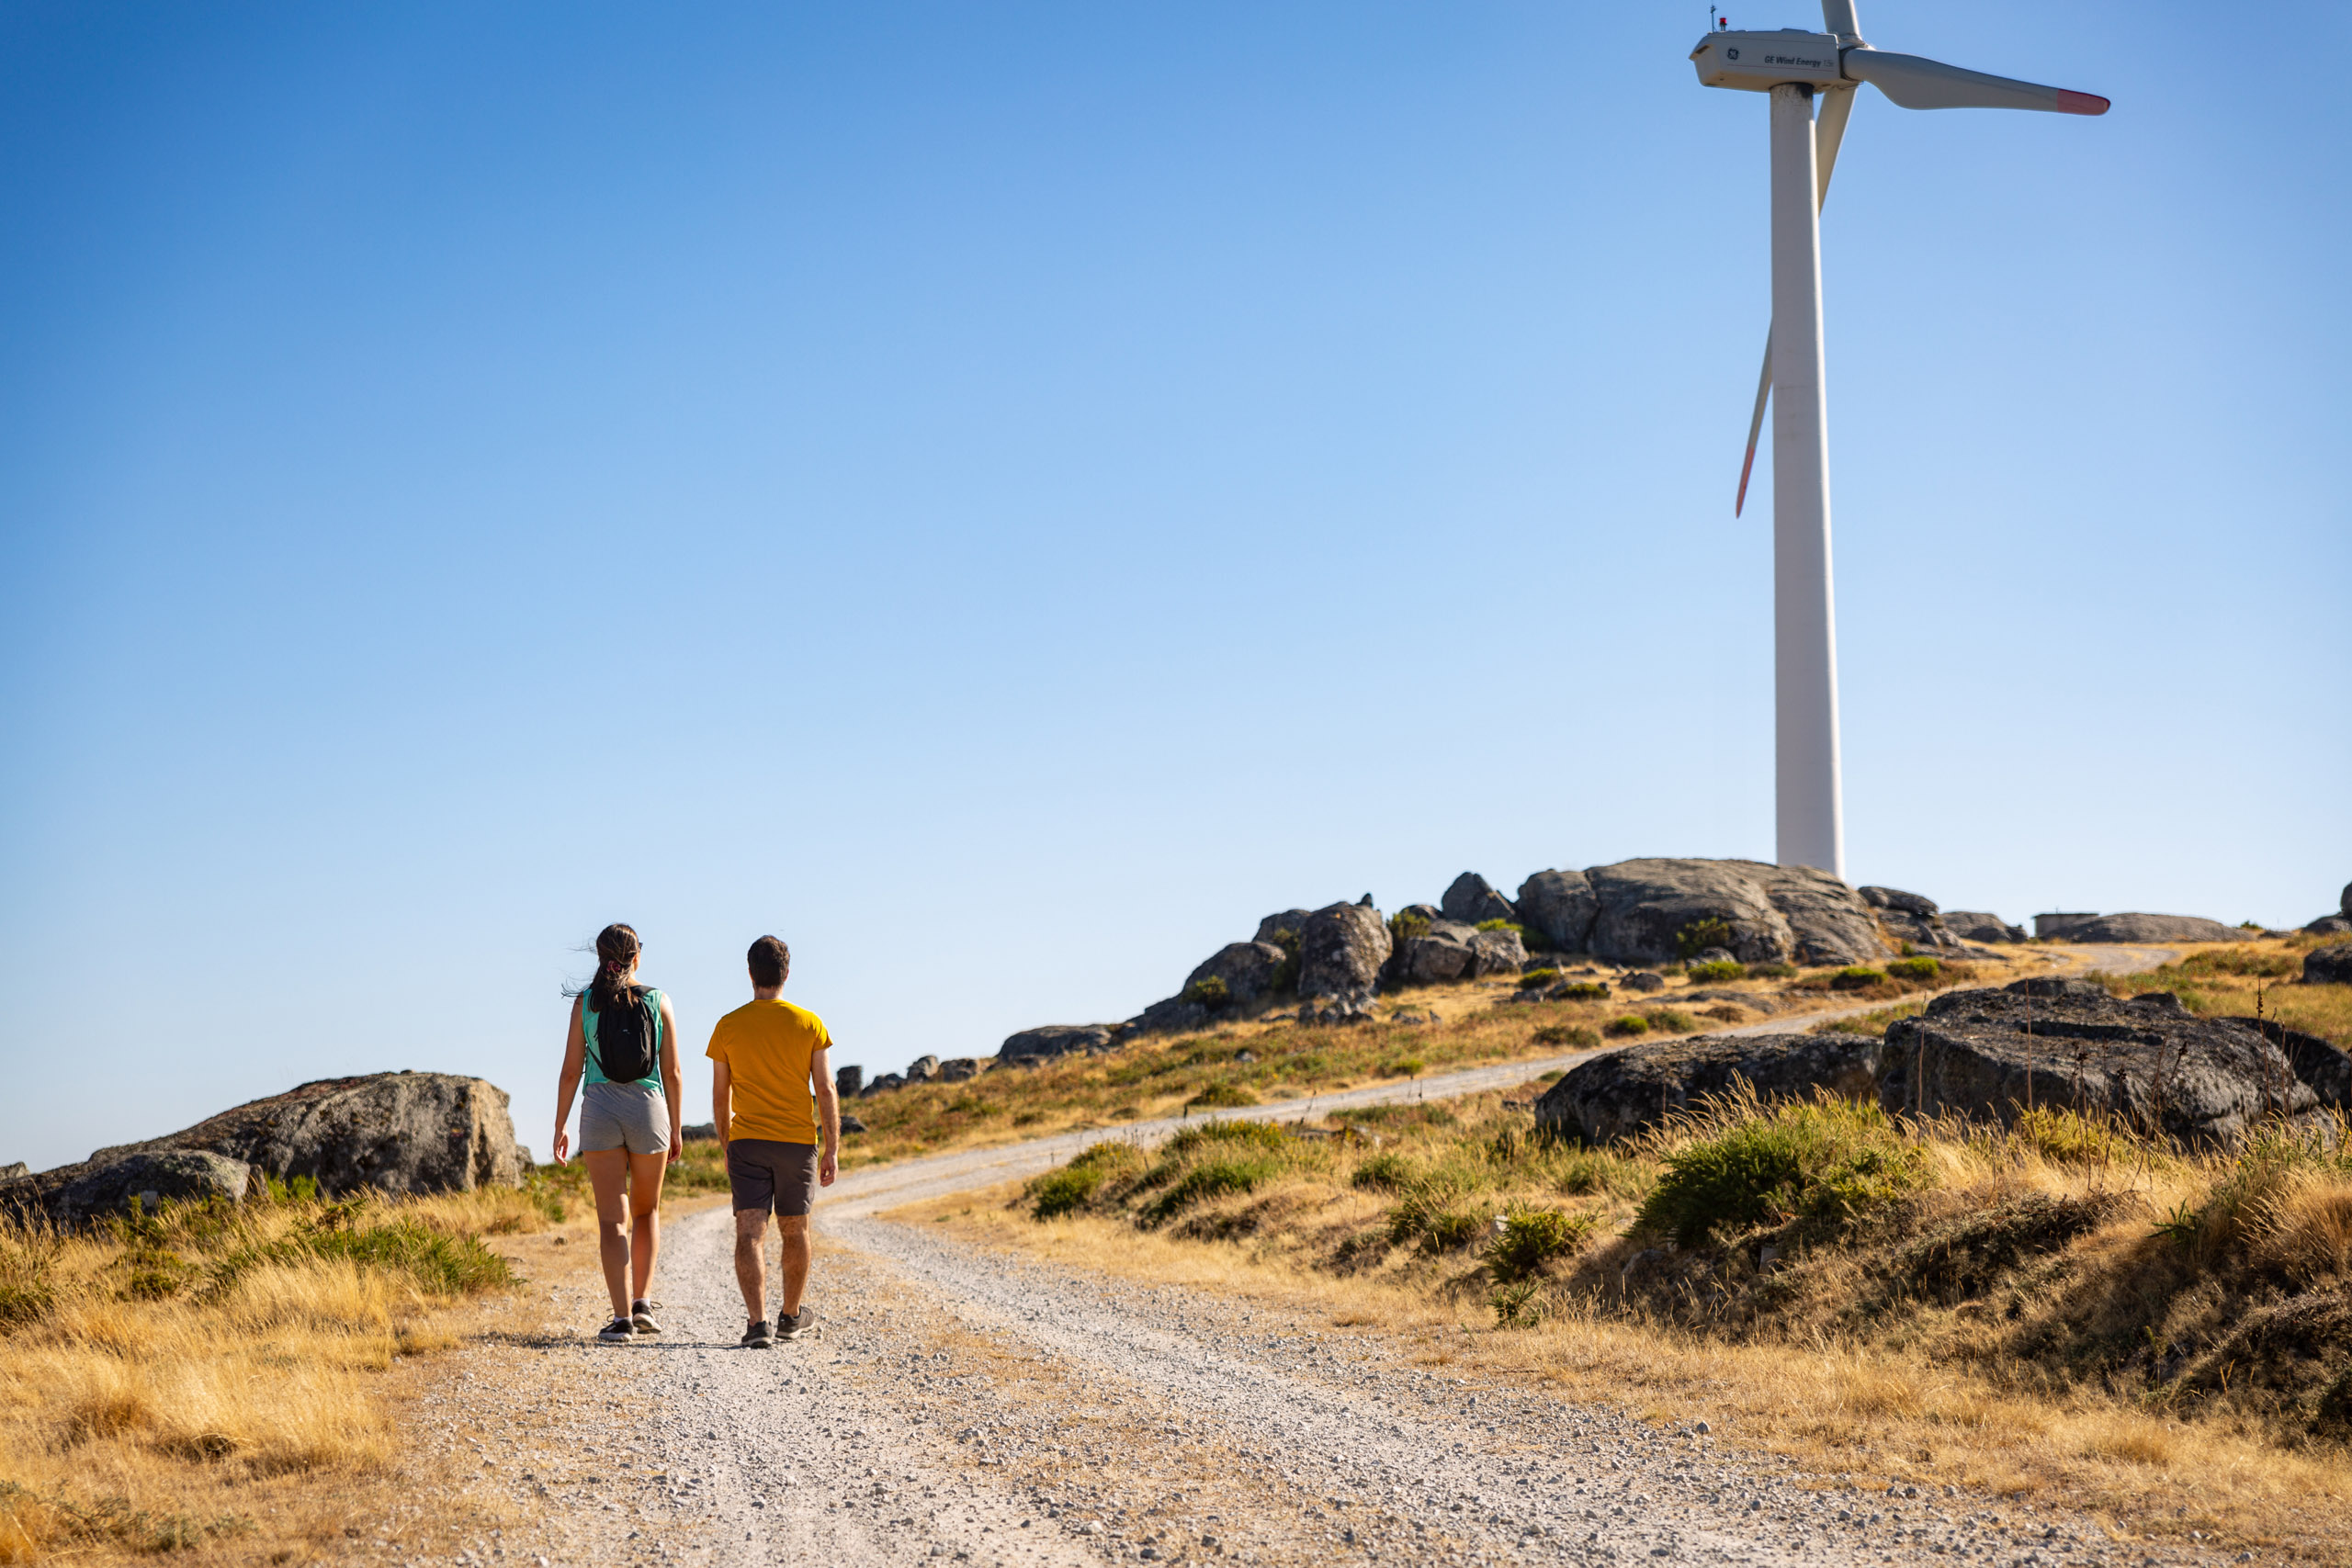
(673, 1089)
(567, 1083)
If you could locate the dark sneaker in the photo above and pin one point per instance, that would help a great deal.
(757, 1336)
(640, 1314)
(793, 1324)
(621, 1331)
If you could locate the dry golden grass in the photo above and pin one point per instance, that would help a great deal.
(222, 1381)
(2243, 979)
(2152, 1353)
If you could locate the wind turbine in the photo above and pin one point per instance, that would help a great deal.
(1795, 67)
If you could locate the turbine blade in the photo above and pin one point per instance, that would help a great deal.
(1755, 426)
(1829, 135)
(1918, 83)
(1838, 18)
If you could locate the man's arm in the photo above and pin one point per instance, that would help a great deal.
(722, 1104)
(829, 1114)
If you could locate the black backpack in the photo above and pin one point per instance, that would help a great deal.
(625, 1038)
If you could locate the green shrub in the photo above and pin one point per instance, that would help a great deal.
(1717, 969)
(1857, 978)
(434, 1260)
(1532, 1237)
(1384, 1173)
(1770, 971)
(1404, 1067)
(1216, 1135)
(1219, 1175)
(1583, 991)
(1627, 1027)
(26, 1292)
(1824, 1160)
(1575, 1036)
(1405, 925)
(1285, 980)
(1519, 1305)
(1700, 935)
(1061, 1191)
(1533, 979)
(1670, 1021)
(1221, 1095)
(1448, 1230)
(1914, 968)
(1499, 924)
(1210, 991)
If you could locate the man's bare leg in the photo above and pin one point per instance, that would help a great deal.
(793, 1230)
(751, 1268)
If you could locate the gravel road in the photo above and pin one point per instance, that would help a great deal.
(966, 1406)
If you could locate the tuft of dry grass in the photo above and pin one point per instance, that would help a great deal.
(163, 1374)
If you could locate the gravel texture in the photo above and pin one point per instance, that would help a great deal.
(959, 1405)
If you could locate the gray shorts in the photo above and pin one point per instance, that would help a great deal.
(623, 1116)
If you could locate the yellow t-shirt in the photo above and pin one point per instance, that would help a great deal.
(766, 1047)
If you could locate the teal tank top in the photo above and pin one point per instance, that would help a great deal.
(588, 1028)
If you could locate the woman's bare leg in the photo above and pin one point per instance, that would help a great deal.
(645, 1208)
(608, 1176)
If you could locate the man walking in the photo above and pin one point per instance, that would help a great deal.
(772, 1087)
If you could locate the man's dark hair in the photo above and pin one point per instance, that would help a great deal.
(771, 961)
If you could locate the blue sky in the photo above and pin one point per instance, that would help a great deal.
(1002, 497)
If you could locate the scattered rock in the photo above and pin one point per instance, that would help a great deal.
(1340, 952)
(1472, 899)
(700, 1132)
(2328, 966)
(392, 1131)
(851, 1125)
(1437, 955)
(1496, 953)
(14, 1169)
(922, 1069)
(1617, 1095)
(165, 1175)
(2060, 926)
(1561, 907)
(1977, 925)
(2328, 925)
(1329, 1011)
(1643, 980)
(2199, 1080)
(962, 1069)
(847, 1081)
(1714, 955)
(2145, 927)
(1755, 999)
(1047, 1042)
(882, 1084)
(1895, 899)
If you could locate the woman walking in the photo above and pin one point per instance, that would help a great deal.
(623, 1038)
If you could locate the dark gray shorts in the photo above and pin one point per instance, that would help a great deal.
(769, 1175)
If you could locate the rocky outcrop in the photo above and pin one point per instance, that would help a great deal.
(1291, 921)
(847, 1081)
(401, 1133)
(1651, 910)
(2329, 925)
(1560, 906)
(2325, 1068)
(1249, 972)
(1895, 899)
(2328, 966)
(1046, 1043)
(1496, 953)
(1437, 955)
(2060, 925)
(1978, 925)
(1986, 1054)
(1340, 952)
(164, 1176)
(962, 1069)
(922, 1069)
(1617, 1095)
(883, 1084)
(1472, 899)
(2144, 928)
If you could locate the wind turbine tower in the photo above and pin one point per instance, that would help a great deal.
(1812, 78)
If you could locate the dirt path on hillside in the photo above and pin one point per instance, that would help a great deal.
(966, 1406)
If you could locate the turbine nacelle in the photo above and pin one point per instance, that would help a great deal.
(1760, 61)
